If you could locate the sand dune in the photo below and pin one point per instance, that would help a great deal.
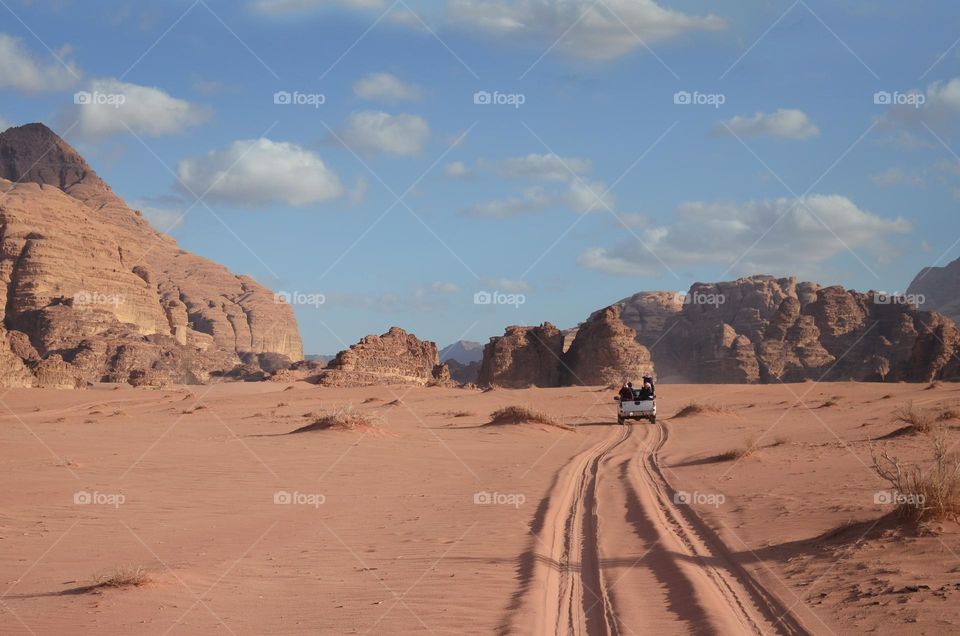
(433, 522)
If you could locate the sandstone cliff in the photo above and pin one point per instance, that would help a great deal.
(396, 357)
(606, 351)
(764, 329)
(85, 278)
(522, 357)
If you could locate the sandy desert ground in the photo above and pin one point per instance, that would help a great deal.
(432, 522)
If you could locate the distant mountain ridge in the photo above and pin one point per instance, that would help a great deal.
(463, 351)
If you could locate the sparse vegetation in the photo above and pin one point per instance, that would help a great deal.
(917, 420)
(344, 419)
(923, 495)
(696, 408)
(123, 576)
(523, 414)
(947, 414)
(748, 448)
(463, 414)
(371, 400)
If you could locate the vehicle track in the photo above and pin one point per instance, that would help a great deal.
(612, 553)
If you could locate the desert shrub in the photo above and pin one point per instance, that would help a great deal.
(523, 414)
(123, 576)
(696, 408)
(923, 495)
(918, 420)
(748, 448)
(344, 419)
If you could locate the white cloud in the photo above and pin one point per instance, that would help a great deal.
(897, 176)
(113, 106)
(374, 131)
(386, 87)
(260, 172)
(547, 167)
(785, 123)
(456, 170)
(281, 7)
(720, 234)
(445, 288)
(19, 70)
(358, 193)
(938, 107)
(581, 28)
(580, 196)
(506, 284)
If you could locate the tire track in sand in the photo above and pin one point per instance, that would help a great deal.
(613, 554)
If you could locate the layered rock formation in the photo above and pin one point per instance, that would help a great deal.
(523, 357)
(764, 329)
(938, 289)
(605, 351)
(91, 292)
(396, 357)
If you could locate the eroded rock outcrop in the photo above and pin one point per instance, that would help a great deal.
(395, 357)
(523, 357)
(765, 329)
(87, 279)
(605, 351)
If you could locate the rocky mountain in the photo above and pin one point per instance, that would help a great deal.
(606, 351)
(91, 292)
(938, 289)
(603, 351)
(522, 357)
(463, 351)
(396, 357)
(764, 329)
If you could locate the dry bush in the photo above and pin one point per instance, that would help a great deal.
(923, 495)
(947, 414)
(521, 415)
(344, 419)
(748, 448)
(918, 420)
(463, 414)
(696, 408)
(372, 399)
(124, 576)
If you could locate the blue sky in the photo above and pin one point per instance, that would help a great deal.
(598, 185)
